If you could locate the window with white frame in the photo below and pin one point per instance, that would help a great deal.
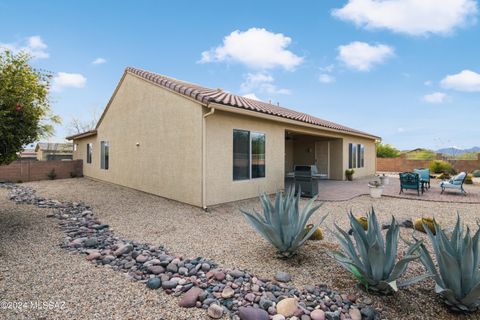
(248, 155)
(89, 152)
(104, 154)
(356, 156)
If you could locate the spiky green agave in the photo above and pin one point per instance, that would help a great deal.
(458, 276)
(373, 260)
(282, 222)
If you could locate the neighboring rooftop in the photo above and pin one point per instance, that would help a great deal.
(57, 147)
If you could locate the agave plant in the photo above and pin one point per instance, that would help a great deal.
(373, 260)
(458, 275)
(282, 222)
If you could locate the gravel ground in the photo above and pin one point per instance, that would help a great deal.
(224, 236)
(33, 268)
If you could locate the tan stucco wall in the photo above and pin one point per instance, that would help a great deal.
(370, 156)
(289, 159)
(304, 152)
(168, 128)
(220, 185)
(336, 160)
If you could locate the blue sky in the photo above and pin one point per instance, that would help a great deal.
(408, 73)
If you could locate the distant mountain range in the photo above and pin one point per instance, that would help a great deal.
(455, 151)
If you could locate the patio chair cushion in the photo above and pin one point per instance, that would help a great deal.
(423, 173)
(458, 179)
(454, 183)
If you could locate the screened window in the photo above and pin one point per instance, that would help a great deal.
(241, 155)
(104, 154)
(356, 156)
(258, 155)
(248, 155)
(361, 156)
(89, 152)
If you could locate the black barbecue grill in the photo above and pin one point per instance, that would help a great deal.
(305, 180)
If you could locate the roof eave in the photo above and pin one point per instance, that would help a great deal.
(82, 135)
(257, 114)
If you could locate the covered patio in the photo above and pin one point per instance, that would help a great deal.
(313, 150)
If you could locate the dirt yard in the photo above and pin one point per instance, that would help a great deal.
(223, 235)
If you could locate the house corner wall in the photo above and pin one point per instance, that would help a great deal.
(168, 130)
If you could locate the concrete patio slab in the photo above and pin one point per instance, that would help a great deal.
(332, 190)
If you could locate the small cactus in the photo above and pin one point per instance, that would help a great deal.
(418, 224)
(316, 235)
(363, 221)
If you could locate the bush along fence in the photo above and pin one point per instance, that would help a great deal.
(402, 164)
(32, 170)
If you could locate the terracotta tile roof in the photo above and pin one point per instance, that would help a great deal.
(206, 96)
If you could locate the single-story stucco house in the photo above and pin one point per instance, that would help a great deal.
(206, 146)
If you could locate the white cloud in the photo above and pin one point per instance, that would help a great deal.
(400, 130)
(326, 78)
(33, 46)
(467, 81)
(412, 17)
(362, 56)
(68, 80)
(428, 83)
(328, 68)
(262, 82)
(252, 96)
(435, 97)
(256, 48)
(99, 61)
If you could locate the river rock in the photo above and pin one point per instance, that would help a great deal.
(250, 313)
(355, 314)
(317, 314)
(287, 307)
(189, 299)
(123, 250)
(169, 284)
(215, 311)
(156, 269)
(153, 283)
(283, 277)
(228, 292)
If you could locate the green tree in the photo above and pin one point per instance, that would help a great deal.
(387, 151)
(25, 114)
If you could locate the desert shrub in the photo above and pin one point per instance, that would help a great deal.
(440, 166)
(444, 176)
(349, 174)
(457, 274)
(52, 174)
(373, 258)
(387, 151)
(468, 179)
(283, 223)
